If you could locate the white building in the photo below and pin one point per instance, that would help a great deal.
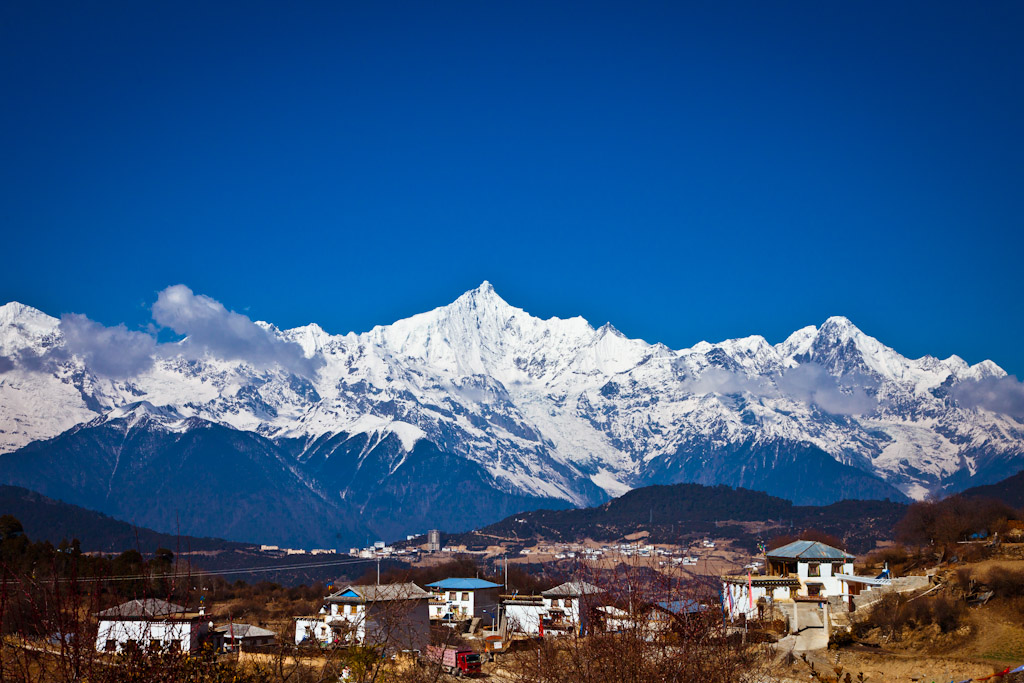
(149, 624)
(808, 570)
(524, 614)
(562, 609)
(568, 605)
(394, 615)
(459, 599)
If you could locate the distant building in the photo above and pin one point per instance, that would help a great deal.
(149, 624)
(392, 615)
(458, 599)
(433, 541)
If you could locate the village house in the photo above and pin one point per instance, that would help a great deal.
(524, 614)
(392, 615)
(808, 570)
(149, 624)
(559, 610)
(235, 637)
(461, 599)
(568, 605)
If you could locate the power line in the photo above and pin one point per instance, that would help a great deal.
(200, 572)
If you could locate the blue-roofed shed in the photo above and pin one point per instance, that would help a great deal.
(462, 584)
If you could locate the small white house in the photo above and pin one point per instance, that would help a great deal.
(393, 615)
(523, 614)
(460, 599)
(568, 605)
(149, 624)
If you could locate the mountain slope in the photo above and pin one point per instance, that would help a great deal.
(46, 519)
(1009, 491)
(517, 410)
(183, 475)
(684, 513)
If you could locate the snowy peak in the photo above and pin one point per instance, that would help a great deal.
(546, 407)
(145, 414)
(29, 321)
(141, 409)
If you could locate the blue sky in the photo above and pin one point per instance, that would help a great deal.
(686, 171)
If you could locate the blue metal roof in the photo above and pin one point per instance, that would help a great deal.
(682, 606)
(808, 550)
(462, 584)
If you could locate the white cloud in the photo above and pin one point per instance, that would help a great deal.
(211, 329)
(809, 383)
(110, 351)
(999, 394)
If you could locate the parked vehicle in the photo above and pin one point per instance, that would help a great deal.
(453, 660)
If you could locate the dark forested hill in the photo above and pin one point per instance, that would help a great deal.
(45, 519)
(681, 513)
(1009, 491)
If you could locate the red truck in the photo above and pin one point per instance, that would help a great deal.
(453, 660)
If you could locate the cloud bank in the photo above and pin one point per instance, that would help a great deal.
(210, 330)
(115, 352)
(809, 383)
(213, 330)
(999, 394)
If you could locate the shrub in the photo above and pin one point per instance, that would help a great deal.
(893, 556)
(946, 613)
(1006, 583)
(895, 612)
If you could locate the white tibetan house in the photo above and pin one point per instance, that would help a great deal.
(801, 570)
(563, 609)
(394, 616)
(149, 624)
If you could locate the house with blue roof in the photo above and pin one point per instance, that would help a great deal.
(457, 600)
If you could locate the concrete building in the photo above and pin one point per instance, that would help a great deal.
(433, 541)
(460, 599)
(149, 624)
(524, 614)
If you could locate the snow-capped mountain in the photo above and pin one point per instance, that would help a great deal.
(548, 409)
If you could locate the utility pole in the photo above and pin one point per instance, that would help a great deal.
(378, 570)
(506, 573)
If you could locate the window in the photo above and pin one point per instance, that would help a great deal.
(813, 569)
(111, 645)
(453, 596)
(814, 589)
(154, 644)
(465, 597)
(353, 610)
(174, 645)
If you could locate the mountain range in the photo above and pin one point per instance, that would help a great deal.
(476, 410)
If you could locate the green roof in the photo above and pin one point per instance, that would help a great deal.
(808, 550)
